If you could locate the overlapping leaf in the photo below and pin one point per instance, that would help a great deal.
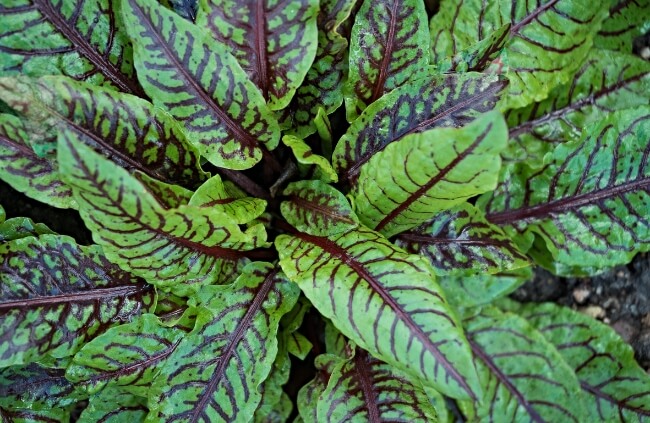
(56, 295)
(389, 46)
(587, 207)
(217, 195)
(548, 39)
(273, 40)
(131, 131)
(194, 78)
(446, 100)
(386, 301)
(84, 39)
(606, 82)
(21, 227)
(215, 371)
(477, 57)
(412, 179)
(627, 20)
(305, 156)
(459, 240)
(114, 406)
(176, 249)
(616, 388)
(524, 378)
(25, 415)
(185, 8)
(36, 387)
(20, 167)
(308, 395)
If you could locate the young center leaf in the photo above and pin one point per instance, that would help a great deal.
(305, 156)
(627, 20)
(57, 295)
(175, 249)
(83, 39)
(445, 100)
(586, 208)
(412, 179)
(386, 301)
(389, 46)
(548, 39)
(215, 371)
(201, 84)
(274, 41)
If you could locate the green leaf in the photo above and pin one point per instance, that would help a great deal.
(273, 406)
(131, 131)
(389, 46)
(548, 39)
(83, 39)
(274, 41)
(168, 195)
(524, 378)
(114, 406)
(21, 227)
(217, 195)
(57, 295)
(616, 387)
(444, 100)
(477, 57)
(422, 174)
(126, 356)
(175, 249)
(15, 415)
(36, 387)
(586, 209)
(627, 20)
(303, 154)
(606, 82)
(386, 301)
(20, 167)
(215, 371)
(459, 240)
(322, 88)
(194, 78)
(308, 395)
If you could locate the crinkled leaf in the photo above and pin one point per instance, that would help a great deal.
(131, 131)
(36, 387)
(56, 295)
(125, 356)
(303, 154)
(444, 100)
(25, 415)
(84, 39)
(389, 46)
(217, 195)
(194, 78)
(274, 41)
(617, 388)
(175, 249)
(422, 174)
(21, 227)
(548, 39)
(477, 57)
(606, 82)
(318, 209)
(364, 389)
(215, 371)
(20, 167)
(588, 206)
(386, 301)
(627, 20)
(114, 406)
(322, 88)
(459, 240)
(523, 376)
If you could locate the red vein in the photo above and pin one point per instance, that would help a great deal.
(260, 41)
(385, 62)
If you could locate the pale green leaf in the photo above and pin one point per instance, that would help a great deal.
(303, 154)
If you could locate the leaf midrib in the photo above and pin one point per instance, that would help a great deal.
(532, 16)
(388, 53)
(597, 392)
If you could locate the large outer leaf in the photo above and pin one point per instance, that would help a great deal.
(55, 295)
(548, 39)
(201, 84)
(176, 249)
(114, 406)
(588, 205)
(606, 82)
(364, 389)
(36, 387)
(617, 389)
(412, 179)
(389, 45)
(273, 40)
(215, 371)
(83, 39)
(523, 376)
(447, 100)
(131, 131)
(386, 301)
(459, 240)
(25, 171)
(125, 356)
(627, 20)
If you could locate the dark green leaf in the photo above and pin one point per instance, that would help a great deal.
(113, 406)
(36, 387)
(21, 227)
(15, 415)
